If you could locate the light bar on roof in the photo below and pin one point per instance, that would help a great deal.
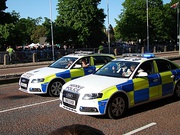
(132, 54)
(83, 52)
(145, 55)
(148, 55)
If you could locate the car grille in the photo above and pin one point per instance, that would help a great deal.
(24, 81)
(71, 96)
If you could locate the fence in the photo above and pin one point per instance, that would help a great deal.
(25, 56)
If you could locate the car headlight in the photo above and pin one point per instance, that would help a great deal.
(38, 80)
(92, 96)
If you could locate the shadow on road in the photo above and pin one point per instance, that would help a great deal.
(145, 107)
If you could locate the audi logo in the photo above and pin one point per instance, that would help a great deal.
(69, 95)
(23, 80)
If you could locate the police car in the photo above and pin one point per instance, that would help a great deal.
(51, 79)
(121, 84)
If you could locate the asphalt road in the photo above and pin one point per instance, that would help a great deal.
(26, 114)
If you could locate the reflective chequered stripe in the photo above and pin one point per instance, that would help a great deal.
(107, 93)
(167, 83)
(46, 82)
(68, 75)
(141, 89)
(75, 73)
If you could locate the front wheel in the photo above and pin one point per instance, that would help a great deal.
(177, 91)
(117, 107)
(55, 88)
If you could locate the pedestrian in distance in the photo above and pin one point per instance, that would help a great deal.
(100, 49)
(10, 51)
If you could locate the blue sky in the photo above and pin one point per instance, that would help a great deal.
(41, 8)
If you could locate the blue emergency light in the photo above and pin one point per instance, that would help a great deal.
(148, 55)
(145, 55)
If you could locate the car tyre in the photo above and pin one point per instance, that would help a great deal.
(177, 91)
(117, 107)
(55, 88)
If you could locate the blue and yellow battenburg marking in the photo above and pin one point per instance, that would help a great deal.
(68, 75)
(142, 89)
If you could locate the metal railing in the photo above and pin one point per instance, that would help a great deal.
(26, 56)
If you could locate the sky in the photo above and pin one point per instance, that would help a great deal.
(46, 8)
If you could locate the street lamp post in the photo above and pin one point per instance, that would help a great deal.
(147, 25)
(52, 37)
(109, 40)
(178, 27)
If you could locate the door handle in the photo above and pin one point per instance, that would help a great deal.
(172, 76)
(155, 80)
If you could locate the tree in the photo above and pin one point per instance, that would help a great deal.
(26, 27)
(2, 13)
(37, 33)
(7, 35)
(111, 31)
(83, 19)
(170, 22)
(133, 20)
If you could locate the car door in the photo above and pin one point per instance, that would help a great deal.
(165, 69)
(146, 87)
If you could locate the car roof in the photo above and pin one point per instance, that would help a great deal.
(81, 54)
(136, 57)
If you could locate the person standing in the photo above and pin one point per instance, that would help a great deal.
(10, 52)
(100, 49)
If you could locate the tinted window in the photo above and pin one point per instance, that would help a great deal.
(164, 65)
(100, 60)
(147, 67)
(86, 59)
(117, 69)
(63, 62)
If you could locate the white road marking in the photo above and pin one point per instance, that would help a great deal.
(21, 107)
(140, 129)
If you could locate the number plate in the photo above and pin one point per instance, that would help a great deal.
(69, 101)
(24, 85)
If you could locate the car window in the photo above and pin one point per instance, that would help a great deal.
(121, 69)
(164, 65)
(100, 60)
(79, 62)
(63, 63)
(147, 66)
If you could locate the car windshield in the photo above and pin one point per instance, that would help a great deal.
(63, 63)
(120, 69)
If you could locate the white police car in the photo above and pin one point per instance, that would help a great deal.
(51, 79)
(121, 84)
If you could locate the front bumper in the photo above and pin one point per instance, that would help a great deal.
(34, 88)
(74, 103)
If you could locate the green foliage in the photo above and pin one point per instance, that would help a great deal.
(7, 34)
(80, 22)
(83, 19)
(38, 32)
(132, 23)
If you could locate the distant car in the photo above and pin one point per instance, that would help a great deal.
(51, 79)
(121, 84)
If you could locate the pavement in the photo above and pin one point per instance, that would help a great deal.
(11, 73)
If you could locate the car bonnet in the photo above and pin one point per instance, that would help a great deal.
(92, 83)
(42, 72)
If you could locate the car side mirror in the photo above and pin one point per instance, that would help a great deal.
(142, 74)
(77, 66)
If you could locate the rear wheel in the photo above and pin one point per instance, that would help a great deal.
(117, 107)
(177, 90)
(55, 88)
